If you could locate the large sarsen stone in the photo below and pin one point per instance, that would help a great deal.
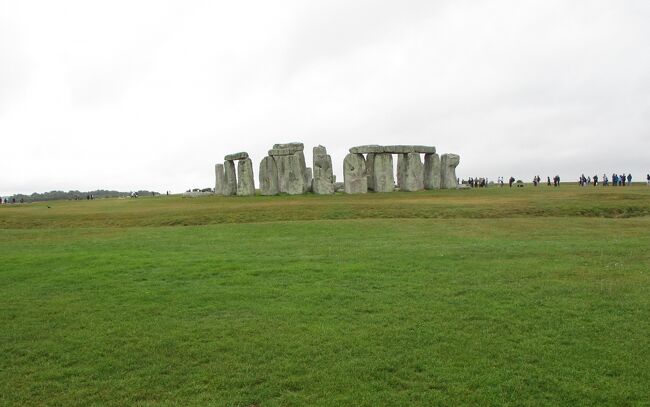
(431, 171)
(220, 179)
(354, 174)
(230, 186)
(448, 164)
(245, 178)
(268, 176)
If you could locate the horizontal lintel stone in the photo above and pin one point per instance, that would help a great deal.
(236, 156)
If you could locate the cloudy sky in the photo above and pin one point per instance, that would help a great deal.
(151, 94)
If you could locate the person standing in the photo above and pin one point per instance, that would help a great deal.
(629, 180)
(648, 179)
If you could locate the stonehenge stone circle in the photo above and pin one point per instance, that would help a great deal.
(382, 173)
(220, 179)
(323, 183)
(230, 186)
(268, 176)
(410, 172)
(245, 178)
(354, 174)
(431, 171)
(284, 170)
(448, 164)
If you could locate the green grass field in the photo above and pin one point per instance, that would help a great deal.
(529, 296)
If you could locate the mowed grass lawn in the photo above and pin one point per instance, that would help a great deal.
(483, 297)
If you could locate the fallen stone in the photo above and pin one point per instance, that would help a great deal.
(354, 174)
(448, 164)
(220, 179)
(383, 180)
(268, 177)
(230, 186)
(431, 171)
(339, 187)
(410, 172)
(236, 156)
(245, 178)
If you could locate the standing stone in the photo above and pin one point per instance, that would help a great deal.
(310, 179)
(431, 171)
(448, 164)
(410, 172)
(370, 171)
(354, 174)
(245, 178)
(292, 177)
(383, 180)
(323, 183)
(268, 176)
(220, 179)
(230, 186)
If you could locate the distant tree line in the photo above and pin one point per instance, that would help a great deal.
(61, 195)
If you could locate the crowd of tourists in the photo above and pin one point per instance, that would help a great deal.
(617, 180)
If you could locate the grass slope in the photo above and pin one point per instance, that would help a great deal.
(466, 297)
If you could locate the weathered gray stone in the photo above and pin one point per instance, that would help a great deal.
(406, 149)
(448, 164)
(339, 187)
(306, 186)
(230, 186)
(368, 149)
(283, 151)
(354, 174)
(310, 179)
(370, 169)
(383, 180)
(268, 177)
(323, 183)
(292, 177)
(286, 149)
(410, 172)
(236, 156)
(220, 179)
(245, 178)
(296, 146)
(431, 171)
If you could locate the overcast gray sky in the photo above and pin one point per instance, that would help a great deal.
(151, 94)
